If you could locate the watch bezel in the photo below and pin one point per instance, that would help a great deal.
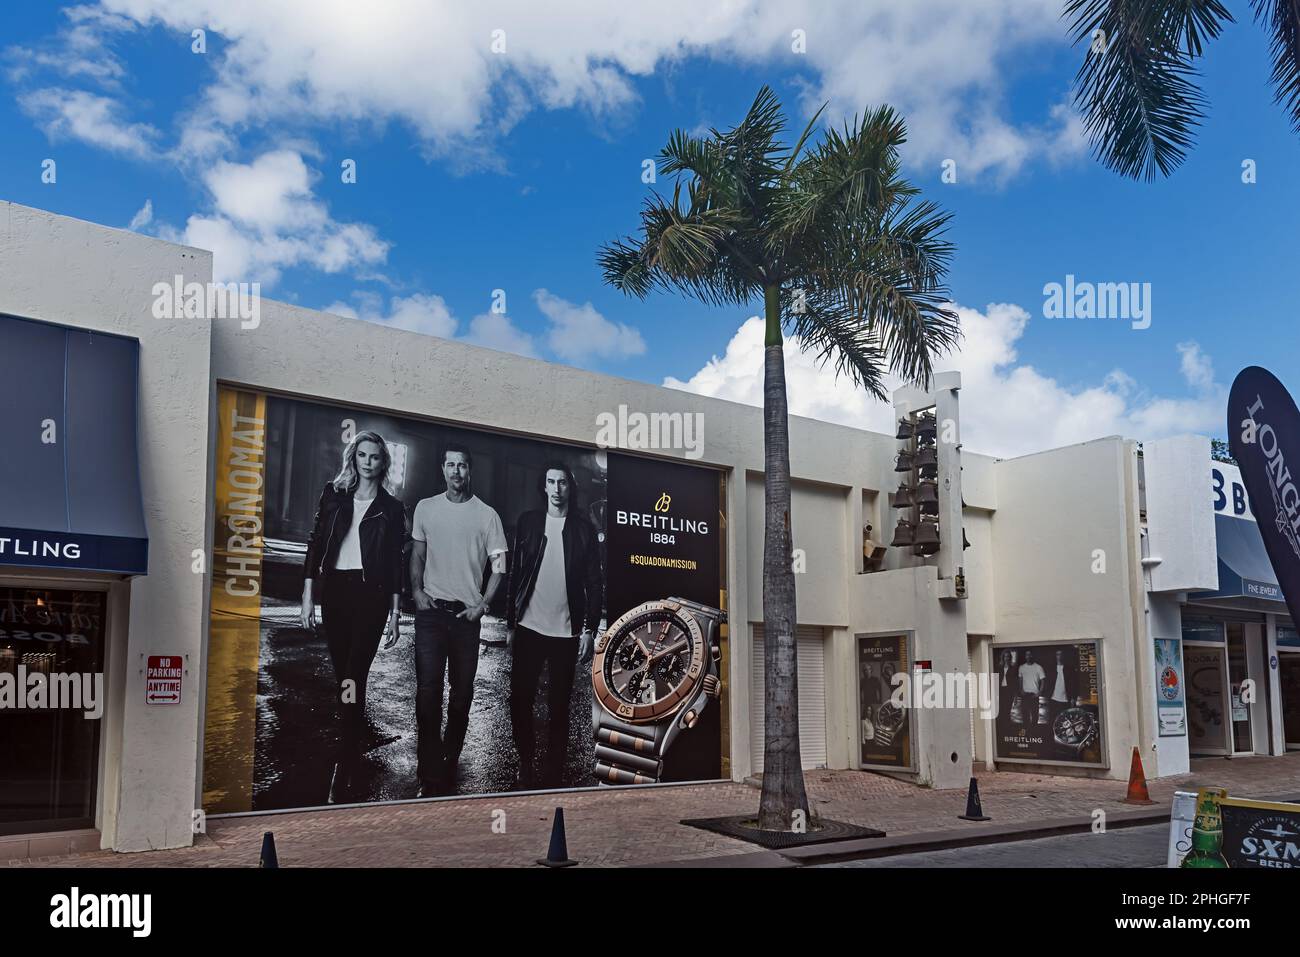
(655, 711)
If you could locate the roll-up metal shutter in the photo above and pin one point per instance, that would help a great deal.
(811, 643)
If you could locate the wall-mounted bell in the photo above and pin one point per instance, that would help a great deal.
(926, 538)
(905, 429)
(902, 534)
(905, 497)
(905, 461)
(927, 428)
(928, 456)
(927, 492)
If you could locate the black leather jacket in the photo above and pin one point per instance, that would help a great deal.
(581, 569)
(383, 535)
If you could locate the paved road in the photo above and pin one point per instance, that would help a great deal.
(1124, 847)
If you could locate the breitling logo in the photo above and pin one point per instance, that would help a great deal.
(664, 500)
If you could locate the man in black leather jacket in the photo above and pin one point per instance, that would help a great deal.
(554, 602)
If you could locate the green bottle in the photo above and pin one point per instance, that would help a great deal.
(1207, 831)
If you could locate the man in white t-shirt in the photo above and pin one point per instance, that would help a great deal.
(455, 536)
(554, 603)
(1033, 680)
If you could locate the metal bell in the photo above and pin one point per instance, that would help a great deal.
(928, 456)
(902, 534)
(905, 462)
(905, 497)
(905, 430)
(927, 428)
(927, 492)
(926, 538)
(929, 508)
(928, 471)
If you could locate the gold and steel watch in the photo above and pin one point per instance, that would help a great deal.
(654, 671)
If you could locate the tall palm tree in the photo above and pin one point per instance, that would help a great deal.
(831, 240)
(1137, 85)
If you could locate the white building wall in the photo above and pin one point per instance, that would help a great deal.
(1061, 515)
(73, 273)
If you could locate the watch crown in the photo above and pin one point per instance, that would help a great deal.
(712, 687)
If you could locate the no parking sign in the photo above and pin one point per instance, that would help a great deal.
(162, 683)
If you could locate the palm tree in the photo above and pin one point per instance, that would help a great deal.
(1136, 87)
(830, 239)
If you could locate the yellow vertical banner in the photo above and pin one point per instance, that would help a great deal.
(235, 627)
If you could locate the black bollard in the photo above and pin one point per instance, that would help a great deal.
(269, 858)
(973, 810)
(557, 855)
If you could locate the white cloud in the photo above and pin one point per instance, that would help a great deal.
(496, 331)
(143, 216)
(97, 120)
(1008, 408)
(578, 333)
(424, 313)
(265, 218)
(944, 62)
(429, 314)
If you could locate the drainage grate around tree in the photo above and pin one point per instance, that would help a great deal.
(820, 831)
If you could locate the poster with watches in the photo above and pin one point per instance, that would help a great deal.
(1171, 708)
(405, 608)
(885, 733)
(1049, 703)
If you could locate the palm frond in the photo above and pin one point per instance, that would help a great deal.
(1136, 86)
(1284, 22)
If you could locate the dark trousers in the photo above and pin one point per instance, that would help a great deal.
(445, 647)
(353, 615)
(532, 652)
(1029, 710)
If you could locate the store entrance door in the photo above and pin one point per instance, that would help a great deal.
(1288, 670)
(1207, 696)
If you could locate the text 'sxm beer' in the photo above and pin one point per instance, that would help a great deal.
(1207, 831)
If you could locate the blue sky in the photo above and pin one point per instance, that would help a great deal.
(480, 170)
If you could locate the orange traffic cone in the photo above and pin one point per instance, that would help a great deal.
(1137, 783)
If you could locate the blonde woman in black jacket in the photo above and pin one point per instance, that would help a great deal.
(354, 570)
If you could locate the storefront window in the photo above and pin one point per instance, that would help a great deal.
(51, 699)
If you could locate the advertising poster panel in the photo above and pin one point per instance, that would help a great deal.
(1171, 708)
(1049, 703)
(885, 738)
(505, 558)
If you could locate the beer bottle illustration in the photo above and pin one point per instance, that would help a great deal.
(1207, 831)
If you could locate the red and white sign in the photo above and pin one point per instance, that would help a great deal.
(163, 679)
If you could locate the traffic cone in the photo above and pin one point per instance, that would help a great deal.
(557, 855)
(269, 858)
(974, 812)
(1137, 783)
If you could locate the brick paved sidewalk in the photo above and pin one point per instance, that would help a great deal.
(640, 826)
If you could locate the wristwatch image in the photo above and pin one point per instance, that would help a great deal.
(653, 673)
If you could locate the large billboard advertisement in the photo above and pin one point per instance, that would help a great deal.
(1049, 703)
(885, 737)
(406, 608)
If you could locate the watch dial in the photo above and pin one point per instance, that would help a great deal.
(648, 658)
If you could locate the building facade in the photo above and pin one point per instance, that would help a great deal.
(1086, 584)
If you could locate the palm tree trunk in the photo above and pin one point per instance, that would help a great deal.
(783, 787)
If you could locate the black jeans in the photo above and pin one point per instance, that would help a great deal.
(445, 646)
(531, 652)
(353, 615)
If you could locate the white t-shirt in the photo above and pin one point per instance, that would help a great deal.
(460, 537)
(548, 608)
(1032, 677)
(349, 558)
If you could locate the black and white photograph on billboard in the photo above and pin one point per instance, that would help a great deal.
(884, 728)
(410, 609)
(1049, 703)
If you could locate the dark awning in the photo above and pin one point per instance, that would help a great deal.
(69, 470)
(1244, 568)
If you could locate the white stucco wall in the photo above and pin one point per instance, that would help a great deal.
(73, 273)
(1061, 514)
